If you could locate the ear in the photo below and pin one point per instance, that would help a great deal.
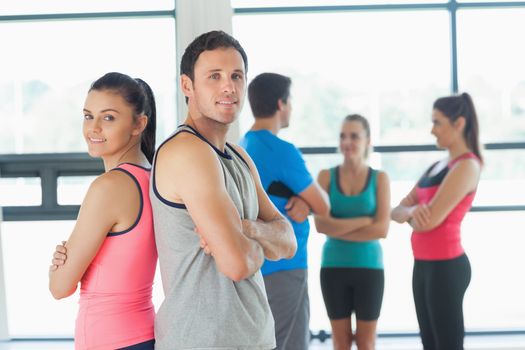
(140, 125)
(186, 85)
(460, 123)
(280, 104)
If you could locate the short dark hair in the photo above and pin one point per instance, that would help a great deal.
(462, 105)
(265, 91)
(138, 94)
(207, 42)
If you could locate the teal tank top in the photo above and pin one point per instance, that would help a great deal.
(340, 253)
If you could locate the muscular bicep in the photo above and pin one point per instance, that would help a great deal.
(198, 183)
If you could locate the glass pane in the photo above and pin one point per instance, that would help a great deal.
(27, 249)
(372, 63)
(492, 70)
(22, 191)
(72, 189)
(306, 3)
(502, 178)
(494, 244)
(29, 7)
(41, 99)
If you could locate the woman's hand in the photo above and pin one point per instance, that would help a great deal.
(420, 217)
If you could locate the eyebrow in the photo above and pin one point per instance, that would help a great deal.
(220, 70)
(104, 110)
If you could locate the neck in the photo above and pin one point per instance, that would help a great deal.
(354, 165)
(130, 154)
(458, 149)
(210, 129)
(271, 124)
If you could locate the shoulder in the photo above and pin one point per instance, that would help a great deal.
(185, 147)
(382, 180)
(381, 175)
(324, 177)
(108, 188)
(468, 166)
(110, 181)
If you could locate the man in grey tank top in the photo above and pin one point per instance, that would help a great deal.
(214, 224)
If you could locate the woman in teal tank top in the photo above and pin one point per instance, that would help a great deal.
(352, 278)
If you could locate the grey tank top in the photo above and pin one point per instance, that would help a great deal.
(202, 308)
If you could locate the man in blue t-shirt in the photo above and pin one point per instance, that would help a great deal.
(293, 191)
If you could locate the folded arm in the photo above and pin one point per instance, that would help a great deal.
(271, 229)
(98, 214)
(461, 179)
(188, 171)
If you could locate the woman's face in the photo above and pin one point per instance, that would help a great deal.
(353, 140)
(109, 126)
(444, 130)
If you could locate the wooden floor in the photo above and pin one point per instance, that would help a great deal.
(478, 342)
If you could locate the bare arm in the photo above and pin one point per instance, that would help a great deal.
(460, 180)
(336, 227)
(272, 230)
(188, 171)
(378, 228)
(403, 212)
(317, 199)
(99, 213)
(297, 209)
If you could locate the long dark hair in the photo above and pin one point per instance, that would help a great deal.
(462, 105)
(138, 94)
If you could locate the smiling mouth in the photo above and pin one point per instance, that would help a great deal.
(96, 140)
(227, 103)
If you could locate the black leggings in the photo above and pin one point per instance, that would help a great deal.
(439, 287)
(147, 345)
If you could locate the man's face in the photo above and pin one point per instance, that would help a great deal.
(218, 87)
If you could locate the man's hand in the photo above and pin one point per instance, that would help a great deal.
(59, 256)
(297, 209)
(203, 243)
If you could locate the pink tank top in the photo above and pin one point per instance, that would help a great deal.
(115, 292)
(444, 241)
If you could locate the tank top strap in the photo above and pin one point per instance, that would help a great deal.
(333, 180)
(468, 155)
(139, 173)
(192, 130)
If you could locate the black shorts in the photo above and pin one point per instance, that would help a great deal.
(348, 289)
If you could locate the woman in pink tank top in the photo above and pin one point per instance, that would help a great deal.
(435, 209)
(111, 250)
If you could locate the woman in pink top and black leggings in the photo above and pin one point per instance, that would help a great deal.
(435, 209)
(111, 250)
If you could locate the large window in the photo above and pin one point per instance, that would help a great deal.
(492, 69)
(50, 65)
(390, 63)
(374, 64)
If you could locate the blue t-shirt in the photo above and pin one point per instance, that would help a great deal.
(278, 160)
